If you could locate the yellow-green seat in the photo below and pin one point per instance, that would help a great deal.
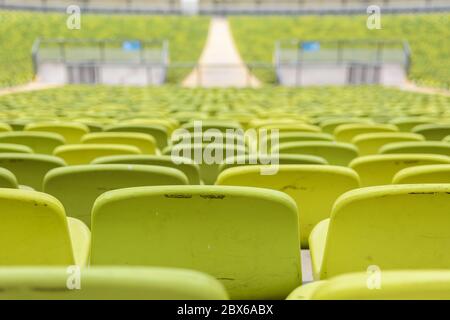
(336, 153)
(142, 141)
(5, 127)
(434, 132)
(187, 166)
(269, 160)
(77, 187)
(85, 153)
(108, 283)
(430, 147)
(346, 132)
(14, 148)
(379, 169)
(39, 142)
(218, 125)
(313, 187)
(207, 156)
(370, 143)
(71, 131)
(158, 132)
(406, 124)
(391, 227)
(241, 236)
(329, 125)
(284, 137)
(436, 173)
(30, 169)
(8, 179)
(291, 127)
(34, 231)
(17, 124)
(446, 139)
(385, 285)
(181, 137)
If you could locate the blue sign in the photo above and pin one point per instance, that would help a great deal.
(311, 46)
(131, 45)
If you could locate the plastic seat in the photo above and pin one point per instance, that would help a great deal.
(142, 141)
(329, 125)
(336, 153)
(392, 285)
(187, 166)
(241, 236)
(222, 126)
(109, 283)
(370, 143)
(71, 131)
(14, 148)
(158, 132)
(376, 170)
(207, 156)
(5, 127)
(436, 173)
(207, 137)
(85, 153)
(280, 159)
(406, 124)
(8, 179)
(30, 169)
(77, 187)
(39, 142)
(434, 132)
(427, 147)
(392, 227)
(34, 231)
(313, 187)
(346, 132)
(291, 127)
(284, 137)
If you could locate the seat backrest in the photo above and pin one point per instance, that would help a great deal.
(158, 132)
(370, 143)
(335, 153)
(77, 187)
(387, 285)
(30, 169)
(5, 127)
(222, 126)
(346, 132)
(14, 148)
(108, 283)
(329, 125)
(380, 169)
(406, 124)
(39, 142)
(314, 188)
(71, 131)
(435, 132)
(430, 147)
(142, 141)
(8, 179)
(33, 230)
(292, 127)
(392, 227)
(241, 236)
(436, 173)
(284, 137)
(85, 153)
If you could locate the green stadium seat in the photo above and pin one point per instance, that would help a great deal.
(329, 125)
(85, 153)
(30, 169)
(376, 170)
(39, 142)
(142, 141)
(158, 132)
(446, 139)
(370, 143)
(108, 283)
(71, 131)
(222, 126)
(406, 124)
(392, 285)
(291, 127)
(5, 127)
(434, 132)
(430, 147)
(335, 153)
(284, 137)
(187, 166)
(8, 179)
(391, 227)
(314, 188)
(208, 137)
(436, 173)
(34, 231)
(77, 187)
(14, 148)
(281, 159)
(241, 236)
(346, 132)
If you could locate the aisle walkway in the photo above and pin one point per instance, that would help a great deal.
(220, 64)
